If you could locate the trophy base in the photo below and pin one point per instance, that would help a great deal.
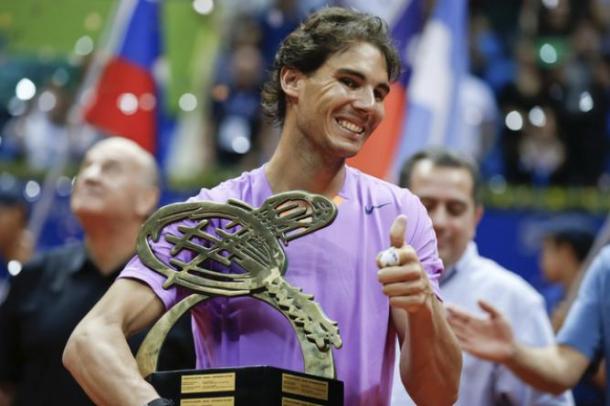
(247, 386)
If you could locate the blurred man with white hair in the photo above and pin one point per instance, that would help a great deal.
(115, 191)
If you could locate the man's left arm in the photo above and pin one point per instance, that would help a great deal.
(430, 358)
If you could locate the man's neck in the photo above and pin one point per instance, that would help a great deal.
(297, 166)
(110, 245)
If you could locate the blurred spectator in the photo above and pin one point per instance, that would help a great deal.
(542, 153)
(114, 192)
(581, 342)
(565, 247)
(600, 12)
(533, 146)
(242, 30)
(585, 106)
(242, 136)
(556, 106)
(555, 18)
(450, 189)
(235, 95)
(16, 243)
(564, 250)
(41, 133)
(602, 88)
(488, 57)
(279, 20)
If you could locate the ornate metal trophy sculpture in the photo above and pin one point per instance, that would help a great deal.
(235, 250)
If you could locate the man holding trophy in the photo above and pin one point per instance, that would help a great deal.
(326, 92)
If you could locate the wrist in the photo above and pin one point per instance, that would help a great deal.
(511, 355)
(423, 312)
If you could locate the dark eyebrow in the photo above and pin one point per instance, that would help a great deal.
(346, 71)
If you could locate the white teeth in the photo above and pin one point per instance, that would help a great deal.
(350, 126)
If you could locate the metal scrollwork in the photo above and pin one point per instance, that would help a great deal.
(233, 250)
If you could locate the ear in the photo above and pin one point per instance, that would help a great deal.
(478, 214)
(146, 202)
(291, 82)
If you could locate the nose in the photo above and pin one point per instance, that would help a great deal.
(365, 99)
(90, 173)
(439, 217)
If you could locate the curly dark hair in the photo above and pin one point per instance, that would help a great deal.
(321, 35)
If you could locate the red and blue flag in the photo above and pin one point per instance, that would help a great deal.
(434, 113)
(422, 108)
(127, 99)
(406, 20)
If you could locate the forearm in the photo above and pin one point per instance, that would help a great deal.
(431, 360)
(551, 369)
(102, 363)
(514, 391)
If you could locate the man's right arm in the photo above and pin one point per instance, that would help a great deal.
(97, 354)
(553, 369)
(529, 321)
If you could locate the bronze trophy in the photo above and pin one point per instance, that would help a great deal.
(236, 234)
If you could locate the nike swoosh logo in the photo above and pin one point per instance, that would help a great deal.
(369, 209)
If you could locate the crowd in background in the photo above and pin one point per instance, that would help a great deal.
(548, 66)
(537, 94)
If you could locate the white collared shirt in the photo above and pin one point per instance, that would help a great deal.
(485, 383)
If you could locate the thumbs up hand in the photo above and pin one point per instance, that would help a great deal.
(401, 275)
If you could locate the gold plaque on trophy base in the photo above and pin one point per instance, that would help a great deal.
(259, 385)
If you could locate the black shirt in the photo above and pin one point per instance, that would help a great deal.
(45, 302)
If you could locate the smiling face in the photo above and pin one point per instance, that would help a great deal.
(338, 106)
(447, 194)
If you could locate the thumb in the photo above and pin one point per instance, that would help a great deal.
(397, 231)
(489, 309)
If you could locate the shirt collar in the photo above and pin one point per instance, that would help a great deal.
(471, 253)
(347, 189)
(77, 258)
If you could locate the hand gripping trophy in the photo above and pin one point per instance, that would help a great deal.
(235, 250)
